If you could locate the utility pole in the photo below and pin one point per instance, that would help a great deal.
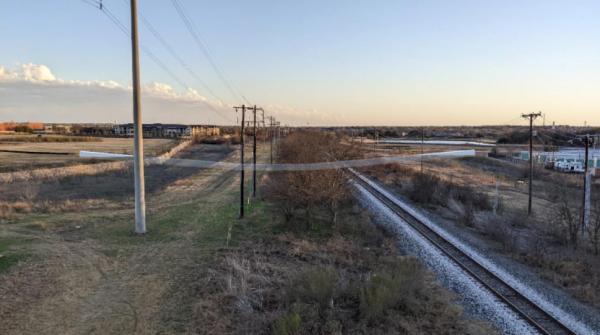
(585, 209)
(422, 144)
(271, 134)
(531, 117)
(264, 138)
(138, 135)
(254, 157)
(243, 108)
(596, 139)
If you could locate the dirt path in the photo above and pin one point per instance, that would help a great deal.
(99, 279)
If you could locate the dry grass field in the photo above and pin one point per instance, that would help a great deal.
(68, 152)
(110, 189)
(200, 270)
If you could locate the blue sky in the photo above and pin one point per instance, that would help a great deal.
(329, 62)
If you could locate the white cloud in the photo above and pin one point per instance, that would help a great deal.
(28, 72)
(33, 92)
(160, 90)
(34, 72)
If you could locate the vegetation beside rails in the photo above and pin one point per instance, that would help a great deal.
(551, 240)
(348, 276)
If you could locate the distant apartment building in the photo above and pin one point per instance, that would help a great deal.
(167, 130)
(93, 129)
(62, 128)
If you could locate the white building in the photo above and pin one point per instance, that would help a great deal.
(566, 159)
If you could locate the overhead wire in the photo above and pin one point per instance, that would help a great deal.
(93, 3)
(180, 9)
(115, 20)
(174, 54)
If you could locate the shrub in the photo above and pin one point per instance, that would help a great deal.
(498, 229)
(471, 198)
(426, 189)
(393, 287)
(429, 189)
(288, 324)
(316, 286)
(467, 216)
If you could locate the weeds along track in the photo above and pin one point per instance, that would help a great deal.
(521, 305)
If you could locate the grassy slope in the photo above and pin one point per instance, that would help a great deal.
(198, 270)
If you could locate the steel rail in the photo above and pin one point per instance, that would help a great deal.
(531, 312)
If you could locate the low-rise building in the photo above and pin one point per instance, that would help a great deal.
(167, 130)
(565, 159)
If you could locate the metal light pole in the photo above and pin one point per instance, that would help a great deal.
(138, 136)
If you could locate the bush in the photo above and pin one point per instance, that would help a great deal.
(394, 287)
(471, 198)
(428, 189)
(288, 324)
(316, 286)
(432, 190)
(501, 231)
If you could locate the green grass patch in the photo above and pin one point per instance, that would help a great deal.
(213, 220)
(9, 257)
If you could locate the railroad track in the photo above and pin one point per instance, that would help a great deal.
(533, 314)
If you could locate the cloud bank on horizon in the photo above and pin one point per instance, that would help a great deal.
(31, 92)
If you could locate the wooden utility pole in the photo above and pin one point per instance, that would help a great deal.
(264, 135)
(585, 209)
(271, 134)
(243, 108)
(422, 144)
(254, 110)
(254, 156)
(531, 117)
(138, 135)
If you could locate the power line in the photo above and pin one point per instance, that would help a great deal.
(192, 30)
(174, 54)
(115, 20)
(93, 3)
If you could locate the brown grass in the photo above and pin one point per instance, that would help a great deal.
(49, 138)
(80, 170)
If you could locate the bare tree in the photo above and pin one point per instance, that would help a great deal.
(566, 214)
(308, 192)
